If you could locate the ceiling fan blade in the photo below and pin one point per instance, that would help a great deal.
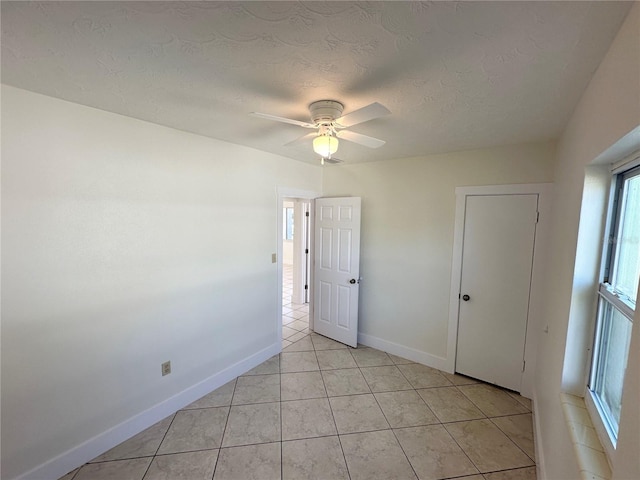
(363, 114)
(303, 139)
(266, 116)
(360, 139)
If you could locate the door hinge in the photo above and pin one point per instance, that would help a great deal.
(306, 214)
(537, 217)
(306, 287)
(306, 251)
(524, 363)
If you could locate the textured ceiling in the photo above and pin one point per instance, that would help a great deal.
(455, 75)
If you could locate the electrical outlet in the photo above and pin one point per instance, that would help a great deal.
(166, 368)
(274, 258)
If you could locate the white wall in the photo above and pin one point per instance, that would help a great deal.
(608, 110)
(408, 213)
(125, 244)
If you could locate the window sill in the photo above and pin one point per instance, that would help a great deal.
(592, 460)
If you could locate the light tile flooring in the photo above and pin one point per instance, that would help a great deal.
(295, 317)
(321, 410)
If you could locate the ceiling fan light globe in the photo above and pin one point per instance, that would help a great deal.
(325, 145)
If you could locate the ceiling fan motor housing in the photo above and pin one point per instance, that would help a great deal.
(324, 112)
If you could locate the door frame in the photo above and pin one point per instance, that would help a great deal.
(300, 252)
(535, 325)
(281, 194)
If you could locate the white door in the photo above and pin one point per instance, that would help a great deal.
(337, 268)
(498, 242)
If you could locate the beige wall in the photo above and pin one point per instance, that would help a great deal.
(125, 244)
(608, 110)
(408, 213)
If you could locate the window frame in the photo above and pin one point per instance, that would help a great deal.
(617, 300)
(613, 244)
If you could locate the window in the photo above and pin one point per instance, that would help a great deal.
(617, 302)
(287, 223)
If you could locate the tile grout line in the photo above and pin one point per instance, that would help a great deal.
(435, 415)
(193, 450)
(439, 420)
(224, 430)
(382, 411)
(510, 439)
(160, 445)
(498, 416)
(344, 457)
(473, 403)
(157, 449)
(444, 425)
(389, 423)
(77, 472)
(508, 470)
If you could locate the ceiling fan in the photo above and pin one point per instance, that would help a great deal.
(330, 125)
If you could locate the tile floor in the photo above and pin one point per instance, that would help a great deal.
(321, 410)
(295, 317)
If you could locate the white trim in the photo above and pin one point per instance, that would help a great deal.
(90, 449)
(608, 215)
(312, 260)
(621, 149)
(456, 277)
(599, 426)
(299, 257)
(627, 163)
(619, 301)
(534, 324)
(541, 466)
(404, 352)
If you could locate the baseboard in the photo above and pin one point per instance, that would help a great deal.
(540, 464)
(88, 450)
(412, 354)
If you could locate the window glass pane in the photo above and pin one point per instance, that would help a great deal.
(287, 225)
(611, 362)
(627, 255)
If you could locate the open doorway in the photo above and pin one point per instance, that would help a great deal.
(296, 269)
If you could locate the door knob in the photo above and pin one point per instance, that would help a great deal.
(466, 297)
(352, 281)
